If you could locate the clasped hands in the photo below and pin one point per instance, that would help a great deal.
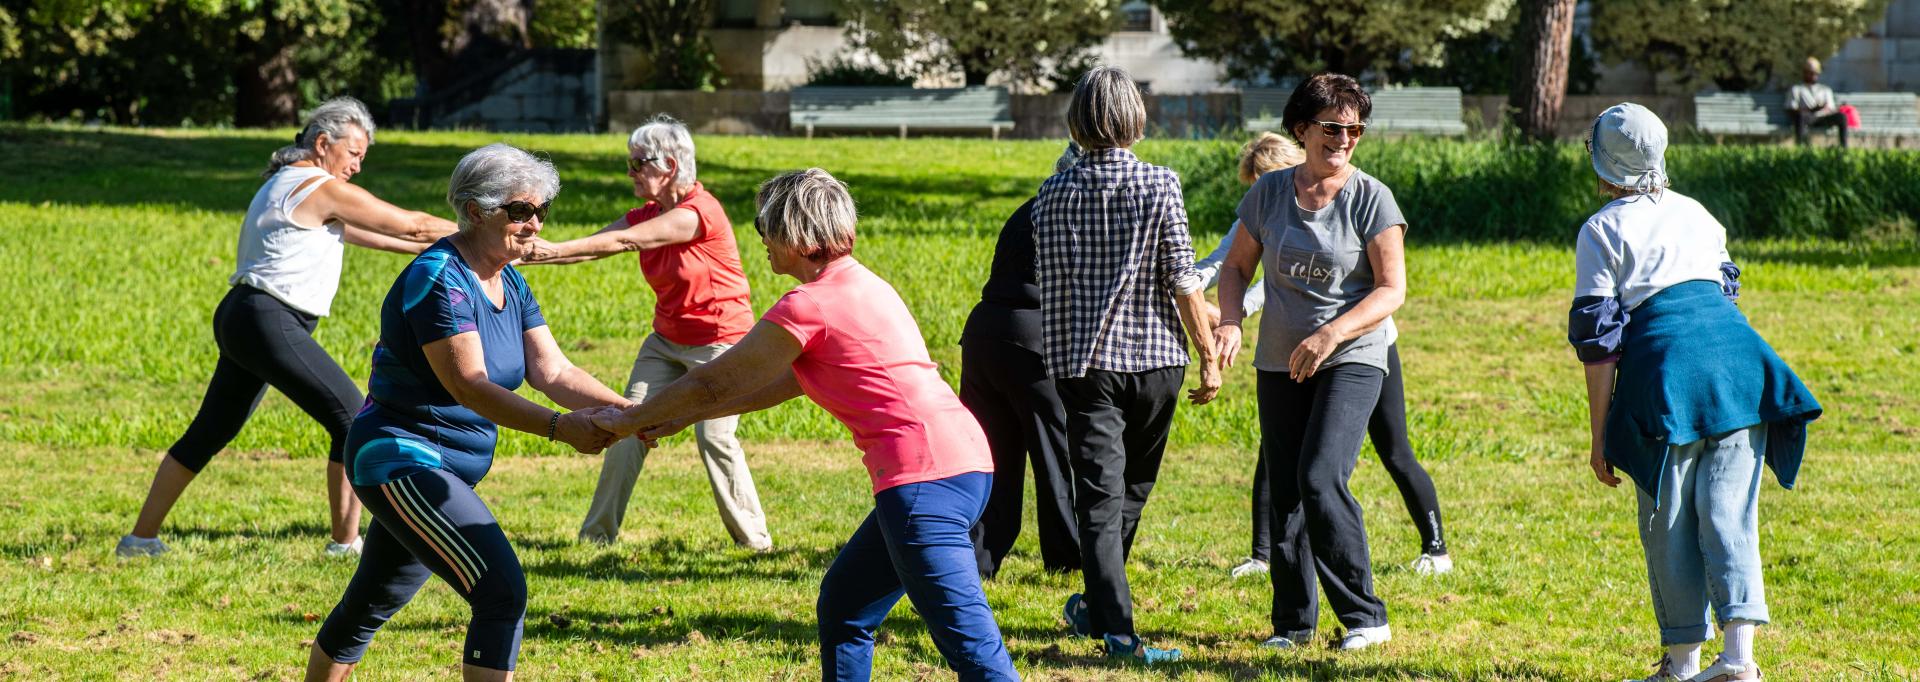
(582, 429)
(593, 429)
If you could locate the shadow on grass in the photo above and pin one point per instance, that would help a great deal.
(676, 558)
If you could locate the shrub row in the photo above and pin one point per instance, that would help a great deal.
(1480, 191)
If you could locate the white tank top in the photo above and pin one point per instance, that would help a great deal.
(297, 264)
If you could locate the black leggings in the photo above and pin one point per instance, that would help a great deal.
(1388, 430)
(264, 342)
(425, 524)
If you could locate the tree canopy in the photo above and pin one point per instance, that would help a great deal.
(1025, 41)
(1735, 44)
(1275, 40)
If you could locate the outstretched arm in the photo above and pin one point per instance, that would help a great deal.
(677, 226)
(358, 208)
(764, 357)
(550, 372)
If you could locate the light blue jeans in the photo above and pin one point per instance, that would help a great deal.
(1702, 537)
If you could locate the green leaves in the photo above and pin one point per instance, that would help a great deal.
(1736, 44)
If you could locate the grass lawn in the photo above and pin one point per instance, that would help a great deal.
(118, 243)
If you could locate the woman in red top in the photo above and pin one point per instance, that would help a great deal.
(701, 309)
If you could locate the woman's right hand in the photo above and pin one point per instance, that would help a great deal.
(578, 429)
(1226, 343)
(1601, 469)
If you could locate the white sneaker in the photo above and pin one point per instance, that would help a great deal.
(1361, 638)
(1432, 564)
(1278, 642)
(1250, 567)
(1724, 671)
(1662, 672)
(131, 547)
(347, 549)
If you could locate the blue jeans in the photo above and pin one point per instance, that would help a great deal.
(917, 542)
(1702, 535)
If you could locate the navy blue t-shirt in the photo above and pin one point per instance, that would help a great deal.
(410, 421)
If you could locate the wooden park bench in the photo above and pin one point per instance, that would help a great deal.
(1431, 111)
(903, 109)
(1764, 114)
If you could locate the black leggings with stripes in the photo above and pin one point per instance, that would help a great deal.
(431, 523)
(264, 342)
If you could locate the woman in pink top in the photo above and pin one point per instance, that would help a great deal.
(845, 339)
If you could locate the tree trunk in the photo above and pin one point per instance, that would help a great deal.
(266, 85)
(1543, 49)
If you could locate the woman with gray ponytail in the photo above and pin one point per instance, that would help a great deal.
(289, 267)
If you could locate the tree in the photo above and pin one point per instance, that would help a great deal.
(1023, 40)
(1278, 40)
(169, 61)
(673, 36)
(1735, 44)
(452, 39)
(1545, 44)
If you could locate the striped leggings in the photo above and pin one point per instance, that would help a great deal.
(431, 523)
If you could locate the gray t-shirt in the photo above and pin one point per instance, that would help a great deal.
(1316, 263)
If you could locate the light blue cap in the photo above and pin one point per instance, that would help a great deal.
(1629, 147)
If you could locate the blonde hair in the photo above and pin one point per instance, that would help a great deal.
(809, 211)
(1268, 153)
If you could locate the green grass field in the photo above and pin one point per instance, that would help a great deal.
(117, 245)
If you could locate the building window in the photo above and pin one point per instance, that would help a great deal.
(1136, 15)
(811, 13)
(735, 13)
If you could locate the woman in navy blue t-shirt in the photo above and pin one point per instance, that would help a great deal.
(459, 331)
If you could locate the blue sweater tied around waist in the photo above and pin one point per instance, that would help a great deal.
(1691, 367)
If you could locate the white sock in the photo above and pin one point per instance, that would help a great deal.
(1739, 634)
(1685, 659)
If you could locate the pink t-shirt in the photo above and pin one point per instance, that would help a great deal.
(863, 359)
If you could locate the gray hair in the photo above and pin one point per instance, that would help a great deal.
(665, 138)
(1069, 156)
(491, 175)
(1106, 111)
(333, 117)
(808, 211)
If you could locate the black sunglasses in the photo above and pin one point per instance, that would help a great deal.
(1333, 129)
(521, 211)
(635, 165)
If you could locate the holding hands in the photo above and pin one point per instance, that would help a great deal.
(580, 429)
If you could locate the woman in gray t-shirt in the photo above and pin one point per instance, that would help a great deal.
(1330, 238)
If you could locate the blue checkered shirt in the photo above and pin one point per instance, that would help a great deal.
(1111, 252)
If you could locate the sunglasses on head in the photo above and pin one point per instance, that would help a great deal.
(635, 165)
(1333, 129)
(521, 211)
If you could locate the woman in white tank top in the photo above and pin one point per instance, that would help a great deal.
(289, 257)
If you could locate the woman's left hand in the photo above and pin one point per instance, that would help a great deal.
(1311, 352)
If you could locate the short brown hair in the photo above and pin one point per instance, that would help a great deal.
(1324, 91)
(1106, 111)
(1268, 153)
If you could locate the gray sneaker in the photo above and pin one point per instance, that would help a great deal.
(1279, 642)
(1662, 672)
(131, 547)
(1249, 568)
(348, 549)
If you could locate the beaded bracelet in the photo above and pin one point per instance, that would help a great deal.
(552, 423)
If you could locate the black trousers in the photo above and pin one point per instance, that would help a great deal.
(1008, 390)
(263, 342)
(1117, 426)
(1311, 433)
(1806, 120)
(1388, 430)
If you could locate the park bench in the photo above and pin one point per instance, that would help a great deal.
(1764, 114)
(889, 108)
(1431, 111)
